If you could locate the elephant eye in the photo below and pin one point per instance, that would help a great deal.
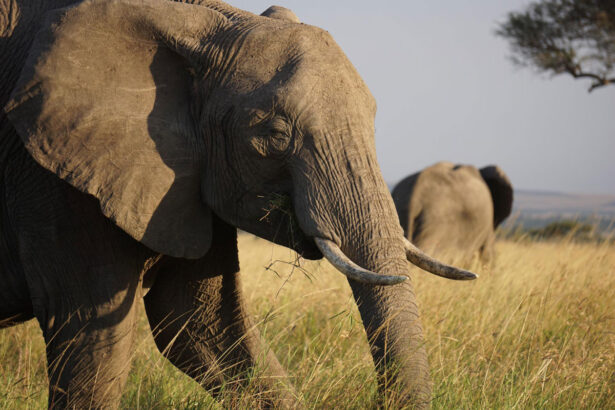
(272, 136)
(279, 142)
(279, 126)
(278, 135)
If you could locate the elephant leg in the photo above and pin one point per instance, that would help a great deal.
(83, 275)
(15, 301)
(88, 314)
(197, 315)
(487, 250)
(89, 339)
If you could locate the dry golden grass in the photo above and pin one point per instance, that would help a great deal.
(538, 331)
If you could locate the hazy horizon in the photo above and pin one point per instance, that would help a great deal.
(446, 90)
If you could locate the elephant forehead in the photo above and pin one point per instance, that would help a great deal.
(297, 60)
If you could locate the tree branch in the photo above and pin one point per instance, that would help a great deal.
(565, 36)
(606, 81)
(599, 81)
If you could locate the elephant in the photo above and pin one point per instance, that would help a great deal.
(452, 211)
(136, 138)
(282, 13)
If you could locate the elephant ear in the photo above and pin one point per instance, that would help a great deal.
(501, 192)
(104, 102)
(281, 13)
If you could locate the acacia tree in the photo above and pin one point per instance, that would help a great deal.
(565, 36)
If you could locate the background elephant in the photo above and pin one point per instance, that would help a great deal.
(137, 137)
(452, 210)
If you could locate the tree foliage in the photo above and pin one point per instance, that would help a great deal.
(576, 37)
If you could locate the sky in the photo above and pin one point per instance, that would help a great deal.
(446, 90)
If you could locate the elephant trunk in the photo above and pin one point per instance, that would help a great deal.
(390, 314)
(391, 319)
(345, 201)
(368, 233)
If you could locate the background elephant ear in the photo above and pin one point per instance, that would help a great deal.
(501, 192)
(281, 13)
(104, 101)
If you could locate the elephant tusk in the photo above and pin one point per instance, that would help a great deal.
(334, 254)
(431, 265)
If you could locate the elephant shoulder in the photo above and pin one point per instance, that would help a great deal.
(446, 189)
(436, 180)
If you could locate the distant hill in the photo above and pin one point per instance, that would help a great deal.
(541, 202)
(533, 209)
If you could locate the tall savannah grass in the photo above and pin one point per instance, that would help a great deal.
(535, 331)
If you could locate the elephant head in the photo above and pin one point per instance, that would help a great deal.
(168, 112)
(282, 13)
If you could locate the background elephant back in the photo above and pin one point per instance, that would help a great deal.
(448, 211)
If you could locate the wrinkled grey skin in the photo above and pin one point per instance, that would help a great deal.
(451, 211)
(138, 136)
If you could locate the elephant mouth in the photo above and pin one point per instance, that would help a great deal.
(279, 215)
(309, 250)
(304, 245)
